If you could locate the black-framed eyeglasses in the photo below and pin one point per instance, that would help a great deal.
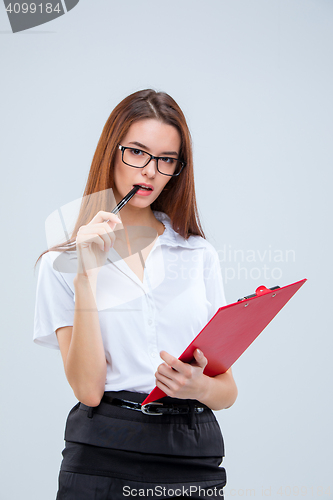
(137, 158)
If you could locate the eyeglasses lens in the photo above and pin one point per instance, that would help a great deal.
(139, 159)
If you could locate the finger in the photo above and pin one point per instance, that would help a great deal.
(200, 359)
(175, 363)
(110, 232)
(102, 216)
(169, 372)
(164, 388)
(99, 228)
(170, 384)
(103, 231)
(87, 240)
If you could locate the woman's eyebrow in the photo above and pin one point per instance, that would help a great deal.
(146, 147)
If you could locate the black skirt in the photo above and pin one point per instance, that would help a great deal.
(114, 453)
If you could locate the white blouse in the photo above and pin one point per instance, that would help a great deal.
(181, 290)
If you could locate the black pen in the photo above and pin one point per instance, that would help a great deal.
(125, 200)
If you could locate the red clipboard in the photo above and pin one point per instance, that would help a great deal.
(233, 328)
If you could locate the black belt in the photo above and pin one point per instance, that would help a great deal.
(154, 408)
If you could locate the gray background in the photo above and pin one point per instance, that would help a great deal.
(255, 79)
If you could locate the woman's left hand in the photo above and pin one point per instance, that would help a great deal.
(182, 380)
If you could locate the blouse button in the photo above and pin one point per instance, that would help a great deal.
(153, 354)
(150, 321)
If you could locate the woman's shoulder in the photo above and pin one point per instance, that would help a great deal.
(58, 266)
(60, 261)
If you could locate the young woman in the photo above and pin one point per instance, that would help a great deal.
(122, 299)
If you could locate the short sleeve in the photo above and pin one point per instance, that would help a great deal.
(213, 281)
(55, 303)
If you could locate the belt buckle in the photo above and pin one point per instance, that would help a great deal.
(199, 409)
(148, 411)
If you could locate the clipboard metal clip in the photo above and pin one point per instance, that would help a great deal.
(261, 290)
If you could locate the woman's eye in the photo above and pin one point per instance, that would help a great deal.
(136, 152)
(170, 161)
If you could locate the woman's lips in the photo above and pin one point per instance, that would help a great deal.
(143, 192)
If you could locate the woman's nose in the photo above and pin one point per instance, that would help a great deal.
(151, 168)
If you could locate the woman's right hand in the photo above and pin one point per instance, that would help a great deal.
(93, 242)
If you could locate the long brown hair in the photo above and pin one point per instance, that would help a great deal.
(177, 199)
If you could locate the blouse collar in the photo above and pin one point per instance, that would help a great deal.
(171, 238)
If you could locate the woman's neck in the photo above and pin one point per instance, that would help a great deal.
(133, 216)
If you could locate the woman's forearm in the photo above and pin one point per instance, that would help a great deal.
(86, 362)
(219, 392)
